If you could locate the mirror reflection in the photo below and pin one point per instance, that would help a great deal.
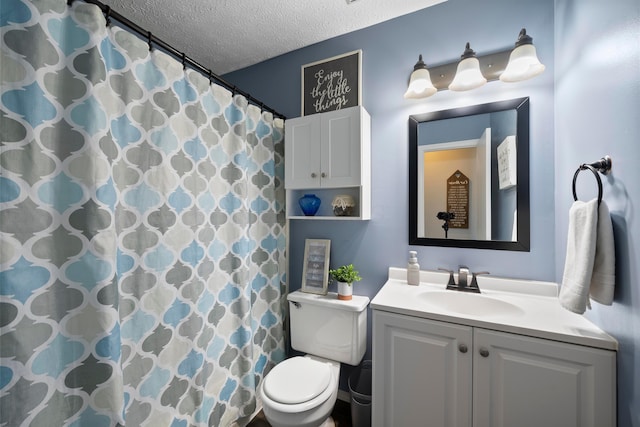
(469, 173)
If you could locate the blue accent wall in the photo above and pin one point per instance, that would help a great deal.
(585, 105)
(597, 113)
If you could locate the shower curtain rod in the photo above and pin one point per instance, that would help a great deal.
(181, 56)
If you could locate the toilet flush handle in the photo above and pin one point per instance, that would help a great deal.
(296, 304)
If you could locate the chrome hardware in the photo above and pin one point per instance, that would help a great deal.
(474, 281)
(296, 304)
(463, 273)
(323, 175)
(313, 175)
(463, 348)
(484, 352)
(465, 283)
(452, 283)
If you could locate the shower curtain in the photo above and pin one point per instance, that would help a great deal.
(141, 231)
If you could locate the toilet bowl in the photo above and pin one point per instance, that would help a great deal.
(300, 392)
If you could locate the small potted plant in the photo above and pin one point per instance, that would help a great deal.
(345, 276)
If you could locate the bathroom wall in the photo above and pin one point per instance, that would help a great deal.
(597, 110)
(585, 105)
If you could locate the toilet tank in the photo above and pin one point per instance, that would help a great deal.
(323, 325)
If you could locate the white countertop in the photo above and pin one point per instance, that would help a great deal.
(538, 314)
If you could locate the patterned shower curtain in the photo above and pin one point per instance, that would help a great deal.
(141, 231)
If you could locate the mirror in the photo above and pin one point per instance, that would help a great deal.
(469, 177)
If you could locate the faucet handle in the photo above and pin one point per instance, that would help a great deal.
(474, 282)
(452, 282)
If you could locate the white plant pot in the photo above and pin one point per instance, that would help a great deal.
(345, 291)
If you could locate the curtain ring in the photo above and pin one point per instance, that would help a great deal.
(210, 76)
(598, 180)
(107, 15)
(149, 40)
(184, 61)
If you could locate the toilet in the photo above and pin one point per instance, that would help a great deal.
(301, 391)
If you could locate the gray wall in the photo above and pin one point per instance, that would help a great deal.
(598, 113)
(577, 115)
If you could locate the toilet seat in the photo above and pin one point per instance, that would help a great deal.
(297, 380)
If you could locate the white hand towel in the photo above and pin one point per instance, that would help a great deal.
(603, 279)
(581, 249)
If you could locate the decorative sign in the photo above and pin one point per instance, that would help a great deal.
(315, 271)
(332, 84)
(458, 199)
(507, 165)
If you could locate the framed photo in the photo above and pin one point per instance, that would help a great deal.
(507, 163)
(332, 84)
(315, 272)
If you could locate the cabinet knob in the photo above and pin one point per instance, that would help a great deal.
(313, 175)
(484, 352)
(323, 175)
(463, 348)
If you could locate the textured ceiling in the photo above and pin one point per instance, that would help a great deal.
(226, 35)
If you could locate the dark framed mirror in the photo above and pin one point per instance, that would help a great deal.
(469, 177)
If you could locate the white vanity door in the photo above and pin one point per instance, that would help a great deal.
(530, 382)
(421, 372)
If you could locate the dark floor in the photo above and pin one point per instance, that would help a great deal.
(341, 416)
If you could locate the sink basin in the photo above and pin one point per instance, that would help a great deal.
(469, 303)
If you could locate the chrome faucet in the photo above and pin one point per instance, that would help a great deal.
(463, 284)
(463, 273)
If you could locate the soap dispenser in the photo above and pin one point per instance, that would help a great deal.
(413, 269)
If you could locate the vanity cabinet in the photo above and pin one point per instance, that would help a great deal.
(435, 373)
(420, 375)
(328, 154)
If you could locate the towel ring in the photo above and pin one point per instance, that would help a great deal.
(595, 173)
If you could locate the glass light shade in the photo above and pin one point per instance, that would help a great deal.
(468, 75)
(523, 64)
(420, 85)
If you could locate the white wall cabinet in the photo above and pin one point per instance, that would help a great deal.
(434, 373)
(328, 154)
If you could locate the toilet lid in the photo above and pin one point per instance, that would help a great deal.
(297, 380)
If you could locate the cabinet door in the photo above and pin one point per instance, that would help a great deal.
(341, 141)
(529, 382)
(421, 372)
(302, 152)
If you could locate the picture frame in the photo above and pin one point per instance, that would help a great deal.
(332, 84)
(507, 164)
(315, 271)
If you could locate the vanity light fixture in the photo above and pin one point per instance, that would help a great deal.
(420, 85)
(468, 74)
(472, 71)
(523, 61)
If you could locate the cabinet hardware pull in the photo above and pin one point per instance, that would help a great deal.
(323, 175)
(463, 348)
(484, 352)
(313, 175)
